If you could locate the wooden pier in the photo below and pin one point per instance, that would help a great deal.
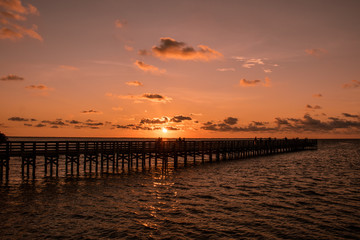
(112, 156)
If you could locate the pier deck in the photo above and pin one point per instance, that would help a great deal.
(105, 156)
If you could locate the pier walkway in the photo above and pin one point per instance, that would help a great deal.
(110, 156)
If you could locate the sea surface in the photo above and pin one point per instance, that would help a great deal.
(301, 195)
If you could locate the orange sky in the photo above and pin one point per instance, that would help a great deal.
(198, 68)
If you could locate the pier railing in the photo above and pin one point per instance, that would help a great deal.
(126, 154)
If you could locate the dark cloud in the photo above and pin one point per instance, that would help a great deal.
(169, 48)
(180, 118)
(18, 119)
(27, 124)
(231, 120)
(154, 120)
(57, 122)
(350, 115)
(307, 123)
(91, 111)
(11, 77)
(40, 125)
(313, 107)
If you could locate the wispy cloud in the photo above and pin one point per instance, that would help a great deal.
(169, 48)
(318, 95)
(13, 12)
(134, 83)
(226, 69)
(351, 115)
(120, 23)
(352, 84)
(148, 68)
(128, 48)
(68, 67)
(316, 52)
(152, 97)
(11, 77)
(253, 62)
(38, 87)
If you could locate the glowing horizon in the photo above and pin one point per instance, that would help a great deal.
(196, 69)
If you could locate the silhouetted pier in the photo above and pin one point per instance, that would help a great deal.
(112, 156)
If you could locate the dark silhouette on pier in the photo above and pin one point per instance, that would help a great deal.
(110, 156)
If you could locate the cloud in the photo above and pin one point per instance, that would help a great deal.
(148, 68)
(12, 12)
(38, 87)
(313, 107)
(11, 77)
(91, 111)
(152, 97)
(18, 119)
(169, 48)
(352, 84)
(316, 52)
(252, 83)
(231, 120)
(134, 83)
(267, 70)
(180, 118)
(350, 115)
(249, 83)
(40, 125)
(128, 48)
(57, 122)
(154, 120)
(120, 23)
(226, 69)
(305, 124)
(68, 67)
(318, 95)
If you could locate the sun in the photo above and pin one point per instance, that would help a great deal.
(164, 130)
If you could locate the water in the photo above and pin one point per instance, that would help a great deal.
(303, 195)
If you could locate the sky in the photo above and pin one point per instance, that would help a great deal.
(194, 69)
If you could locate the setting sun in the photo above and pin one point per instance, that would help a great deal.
(164, 130)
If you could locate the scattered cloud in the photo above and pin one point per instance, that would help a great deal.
(154, 120)
(148, 68)
(134, 83)
(318, 95)
(91, 111)
(226, 69)
(40, 125)
(12, 13)
(120, 23)
(38, 87)
(315, 107)
(11, 77)
(352, 84)
(180, 118)
(169, 48)
(68, 67)
(316, 52)
(305, 124)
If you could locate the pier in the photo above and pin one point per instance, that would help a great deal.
(114, 156)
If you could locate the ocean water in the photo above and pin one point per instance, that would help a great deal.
(301, 195)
